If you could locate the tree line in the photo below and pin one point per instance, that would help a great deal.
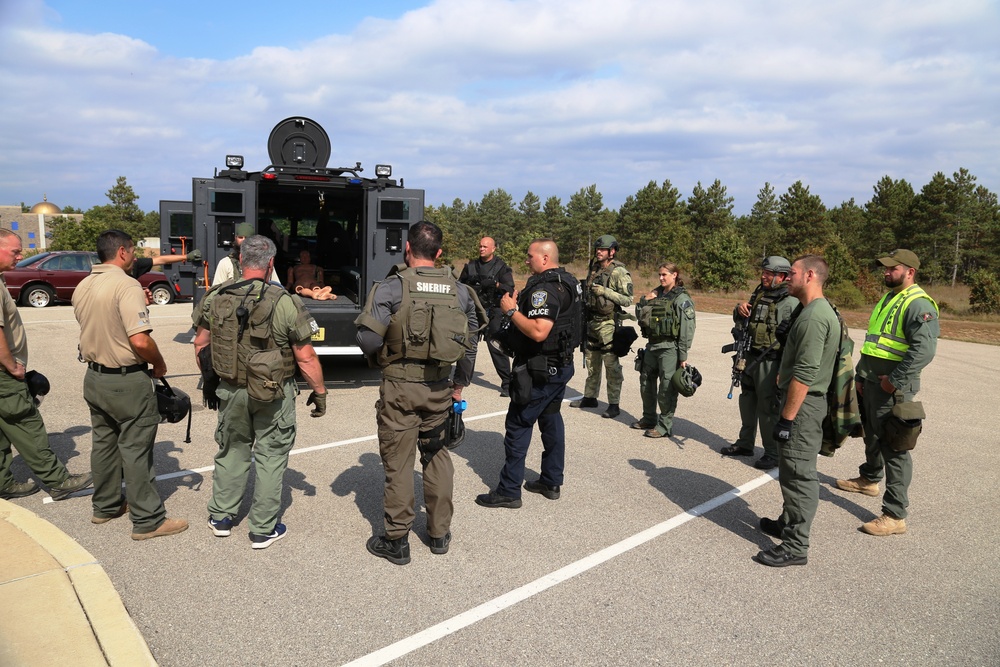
(952, 224)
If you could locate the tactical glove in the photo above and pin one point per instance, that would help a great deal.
(319, 400)
(193, 256)
(597, 290)
(783, 431)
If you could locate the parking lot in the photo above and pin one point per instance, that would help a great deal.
(645, 559)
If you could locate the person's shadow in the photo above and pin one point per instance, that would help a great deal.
(484, 453)
(294, 480)
(685, 430)
(366, 482)
(688, 489)
(168, 470)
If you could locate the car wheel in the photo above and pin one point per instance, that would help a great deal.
(38, 296)
(162, 294)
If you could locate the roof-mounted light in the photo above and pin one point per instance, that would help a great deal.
(383, 170)
(234, 161)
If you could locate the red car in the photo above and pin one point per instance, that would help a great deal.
(53, 276)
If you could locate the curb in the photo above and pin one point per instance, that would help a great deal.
(57, 584)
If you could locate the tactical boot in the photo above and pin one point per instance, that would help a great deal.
(584, 402)
(859, 485)
(885, 525)
(611, 412)
(439, 545)
(395, 551)
(71, 485)
(18, 490)
(550, 492)
(168, 527)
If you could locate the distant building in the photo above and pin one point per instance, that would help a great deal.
(33, 226)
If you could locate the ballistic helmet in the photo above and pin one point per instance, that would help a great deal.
(686, 380)
(776, 264)
(606, 242)
(38, 385)
(173, 404)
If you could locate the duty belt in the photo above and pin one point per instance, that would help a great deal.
(121, 370)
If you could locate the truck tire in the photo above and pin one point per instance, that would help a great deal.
(162, 294)
(38, 296)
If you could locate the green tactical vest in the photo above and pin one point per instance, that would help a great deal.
(600, 307)
(656, 318)
(764, 316)
(429, 332)
(232, 352)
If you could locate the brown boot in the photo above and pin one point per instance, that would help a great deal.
(859, 485)
(885, 525)
(104, 519)
(168, 527)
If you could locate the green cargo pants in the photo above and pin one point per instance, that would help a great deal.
(797, 474)
(759, 405)
(124, 418)
(21, 425)
(658, 367)
(879, 458)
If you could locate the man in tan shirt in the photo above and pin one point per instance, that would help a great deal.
(115, 343)
(21, 424)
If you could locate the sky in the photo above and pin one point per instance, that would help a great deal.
(465, 96)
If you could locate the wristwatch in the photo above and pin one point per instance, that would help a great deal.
(510, 313)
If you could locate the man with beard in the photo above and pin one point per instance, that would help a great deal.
(901, 340)
(769, 306)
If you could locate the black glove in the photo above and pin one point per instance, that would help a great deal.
(319, 400)
(783, 430)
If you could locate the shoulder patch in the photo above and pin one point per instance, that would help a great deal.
(927, 317)
(539, 298)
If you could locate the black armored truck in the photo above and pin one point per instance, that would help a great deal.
(354, 227)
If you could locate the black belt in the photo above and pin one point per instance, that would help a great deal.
(121, 370)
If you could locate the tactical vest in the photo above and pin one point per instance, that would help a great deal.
(657, 318)
(601, 306)
(484, 284)
(234, 257)
(885, 338)
(567, 330)
(764, 316)
(237, 341)
(429, 332)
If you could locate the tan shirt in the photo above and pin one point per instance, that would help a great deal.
(13, 328)
(110, 306)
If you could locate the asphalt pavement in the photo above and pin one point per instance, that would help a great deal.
(645, 558)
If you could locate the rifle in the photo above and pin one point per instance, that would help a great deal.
(741, 346)
(586, 312)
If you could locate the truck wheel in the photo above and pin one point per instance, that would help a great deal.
(38, 296)
(162, 294)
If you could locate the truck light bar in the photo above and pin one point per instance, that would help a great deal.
(306, 177)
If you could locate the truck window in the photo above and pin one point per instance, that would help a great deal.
(394, 209)
(230, 203)
(181, 224)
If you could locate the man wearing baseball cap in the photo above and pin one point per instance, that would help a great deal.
(229, 266)
(901, 340)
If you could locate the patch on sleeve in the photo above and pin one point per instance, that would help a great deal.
(539, 298)
(927, 317)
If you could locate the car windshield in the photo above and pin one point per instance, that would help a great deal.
(27, 261)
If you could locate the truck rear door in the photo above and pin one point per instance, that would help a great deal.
(390, 212)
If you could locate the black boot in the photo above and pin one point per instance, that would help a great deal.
(611, 412)
(395, 551)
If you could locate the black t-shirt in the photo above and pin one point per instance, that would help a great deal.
(141, 265)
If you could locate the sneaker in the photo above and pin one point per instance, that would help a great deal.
(778, 557)
(584, 402)
(222, 527)
(885, 525)
(18, 490)
(264, 541)
(772, 527)
(859, 485)
(439, 545)
(550, 492)
(642, 425)
(395, 551)
(71, 485)
(733, 450)
(766, 462)
(494, 499)
(612, 411)
(168, 527)
(104, 519)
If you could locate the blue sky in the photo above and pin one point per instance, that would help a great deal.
(463, 96)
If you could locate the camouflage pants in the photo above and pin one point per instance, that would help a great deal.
(609, 361)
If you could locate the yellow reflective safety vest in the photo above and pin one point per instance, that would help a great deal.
(885, 338)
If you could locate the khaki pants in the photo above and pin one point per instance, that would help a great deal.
(404, 411)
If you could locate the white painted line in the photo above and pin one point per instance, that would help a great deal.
(487, 609)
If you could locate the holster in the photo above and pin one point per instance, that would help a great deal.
(904, 423)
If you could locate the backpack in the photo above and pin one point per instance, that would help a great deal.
(843, 419)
